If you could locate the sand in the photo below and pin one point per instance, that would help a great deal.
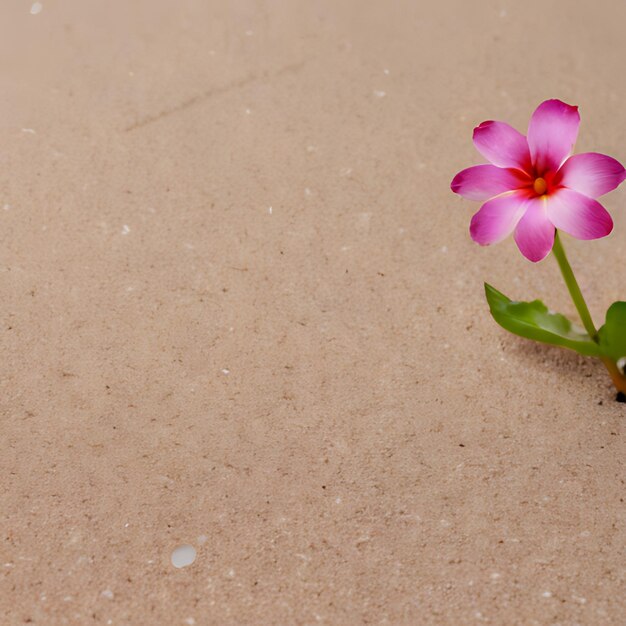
(240, 310)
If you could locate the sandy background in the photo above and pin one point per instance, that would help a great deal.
(314, 396)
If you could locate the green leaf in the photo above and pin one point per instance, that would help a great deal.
(533, 321)
(612, 335)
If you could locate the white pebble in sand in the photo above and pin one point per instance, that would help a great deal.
(36, 8)
(380, 94)
(108, 594)
(183, 556)
(125, 229)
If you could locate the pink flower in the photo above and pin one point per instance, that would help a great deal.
(533, 185)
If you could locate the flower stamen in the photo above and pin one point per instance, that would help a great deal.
(540, 186)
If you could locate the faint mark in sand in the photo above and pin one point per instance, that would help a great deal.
(36, 8)
(30, 131)
(217, 91)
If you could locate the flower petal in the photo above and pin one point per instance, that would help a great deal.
(552, 134)
(578, 215)
(591, 174)
(482, 182)
(497, 218)
(534, 234)
(502, 145)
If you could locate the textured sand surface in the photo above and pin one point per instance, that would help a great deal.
(240, 310)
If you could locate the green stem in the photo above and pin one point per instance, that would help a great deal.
(574, 289)
(619, 379)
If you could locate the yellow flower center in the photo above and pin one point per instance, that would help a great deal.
(540, 186)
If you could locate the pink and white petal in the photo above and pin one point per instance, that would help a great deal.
(482, 182)
(578, 215)
(502, 145)
(591, 174)
(497, 218)
(552, 133)
(534, 234)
